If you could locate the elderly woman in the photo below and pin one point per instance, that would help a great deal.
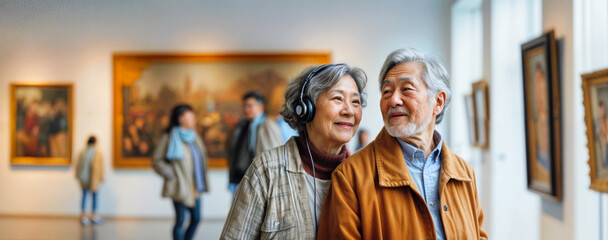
(282, 192)
(180, 158)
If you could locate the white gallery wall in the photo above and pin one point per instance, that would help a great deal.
(73, 42)
(581, 27)
(486, 40)
(513, 22)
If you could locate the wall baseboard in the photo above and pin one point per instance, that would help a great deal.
(108, 218)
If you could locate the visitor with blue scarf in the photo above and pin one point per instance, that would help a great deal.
(181, 159)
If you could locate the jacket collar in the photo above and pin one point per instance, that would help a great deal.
(393, 171)
(292, 156)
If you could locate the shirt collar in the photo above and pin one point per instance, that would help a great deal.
(392, 169)
(409, 151)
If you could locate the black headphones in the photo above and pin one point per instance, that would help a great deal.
(305, 112)
(305, 109)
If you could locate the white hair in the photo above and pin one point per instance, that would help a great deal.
(434, 74)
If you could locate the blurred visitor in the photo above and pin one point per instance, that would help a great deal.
(89, 172)
(252, 135)
(286, 131)
(363, 139)
(181, 159)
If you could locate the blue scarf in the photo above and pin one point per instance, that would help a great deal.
(253, 130)
(175, 151)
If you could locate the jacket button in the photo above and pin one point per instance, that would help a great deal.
(445, 208)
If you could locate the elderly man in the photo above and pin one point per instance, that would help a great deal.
(252, 135)
(407, 183)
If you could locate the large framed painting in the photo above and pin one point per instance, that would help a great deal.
(481, 112)
(41, 124)
(595, 99)
(147, 86)
(542, 116)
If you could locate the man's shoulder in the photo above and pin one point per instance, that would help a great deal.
(362, 161)
(241, 123)
(269, 122)
(457, 163)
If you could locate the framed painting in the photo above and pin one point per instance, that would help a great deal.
(41, 124)
(147, 86)
(470, 118)
(542, 116)
(595, 99)
(481, 114)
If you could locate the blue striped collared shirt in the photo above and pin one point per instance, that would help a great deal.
(425, 173)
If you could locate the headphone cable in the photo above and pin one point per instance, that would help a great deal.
(314, 180)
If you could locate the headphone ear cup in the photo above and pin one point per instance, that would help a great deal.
(310, 110)
(301, 111)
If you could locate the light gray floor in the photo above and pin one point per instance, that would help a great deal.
(18, 228)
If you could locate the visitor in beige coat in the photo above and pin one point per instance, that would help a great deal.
(89, 172)
(181, 159)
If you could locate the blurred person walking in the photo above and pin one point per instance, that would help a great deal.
(181, 159)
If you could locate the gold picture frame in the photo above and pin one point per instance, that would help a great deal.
(595, 100)
(147, 85)
(470, 118)
(41, 124)
(542, 116)
(481, 114)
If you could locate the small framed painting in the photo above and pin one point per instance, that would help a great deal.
(41, 124)
(481, 113)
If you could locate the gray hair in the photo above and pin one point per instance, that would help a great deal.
(434, 74)
(320, 82)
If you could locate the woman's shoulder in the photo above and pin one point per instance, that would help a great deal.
(276, 158)
(161, 146)
(271, 158)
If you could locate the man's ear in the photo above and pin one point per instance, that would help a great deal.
(439, 102)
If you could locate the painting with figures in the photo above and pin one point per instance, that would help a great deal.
(41, 127)
(148, 86)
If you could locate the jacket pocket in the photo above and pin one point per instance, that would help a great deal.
(279, 220)
(169, 187)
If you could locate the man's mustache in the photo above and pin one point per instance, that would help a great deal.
(397, 110)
